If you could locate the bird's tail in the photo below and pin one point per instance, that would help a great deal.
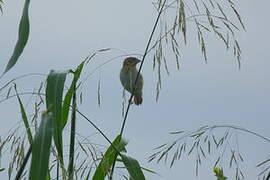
(138, 99)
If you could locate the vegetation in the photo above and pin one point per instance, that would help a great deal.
(58, 94)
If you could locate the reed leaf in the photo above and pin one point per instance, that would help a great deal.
(68, 96)
(22, 37)
(54, 94)
(24, 118)
(107, 161)
(133, 167)
(41, 148)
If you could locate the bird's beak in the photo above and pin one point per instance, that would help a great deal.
(138, 61)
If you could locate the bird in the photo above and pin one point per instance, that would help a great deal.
(128, 75)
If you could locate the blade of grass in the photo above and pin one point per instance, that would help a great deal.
(67, 100)
(107, 161)
(54, 94)
(72, 135)
(24, 117)
(65, 111)
(133, 167)
(22, 37)
(41, 148)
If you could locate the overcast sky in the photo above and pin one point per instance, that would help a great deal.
(63, 33)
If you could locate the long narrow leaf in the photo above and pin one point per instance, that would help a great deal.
(72, 136)
(22, 37)
(54, 96)
(107, 161)
(133, 167)
(24, 118)
(67, 100)
(65, 111)
(41, 148)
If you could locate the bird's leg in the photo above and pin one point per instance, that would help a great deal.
(130, 101)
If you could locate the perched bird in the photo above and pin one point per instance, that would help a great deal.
(128, 76)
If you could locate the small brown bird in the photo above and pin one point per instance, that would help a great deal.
(128, 76)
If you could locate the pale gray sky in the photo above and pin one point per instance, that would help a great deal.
(63, 33)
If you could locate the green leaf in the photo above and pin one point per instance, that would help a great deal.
(22, 37)
(106, 163)
(65, 110)
(133, 167)
(149, 170)
(24, 118)
(41, 148)
(54, 96)
(68, 97)
(143, 168)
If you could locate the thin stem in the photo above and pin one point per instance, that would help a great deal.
(22, 94)
(140, 68)
(242, 129)
(95, 126)
(20, 77)
(137, 77)
(18, 176)
(206, 128)
(99, 130)
(57, 170)
(72, 135)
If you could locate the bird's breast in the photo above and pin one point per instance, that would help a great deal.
(128, 77)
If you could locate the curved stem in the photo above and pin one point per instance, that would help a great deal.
(137, 77)
(20, 77)
(140, 68)
(205, 128)
(79, 112)
(242, 129)
(24, 93)
(99, 130)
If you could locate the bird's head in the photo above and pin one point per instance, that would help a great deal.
(131, 61)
